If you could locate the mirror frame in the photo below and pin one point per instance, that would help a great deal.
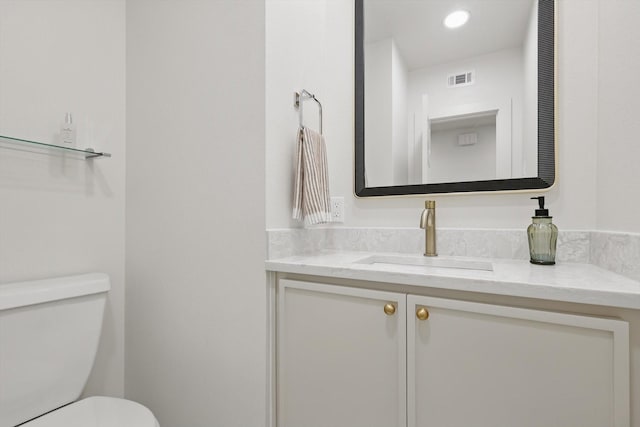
(546, 121)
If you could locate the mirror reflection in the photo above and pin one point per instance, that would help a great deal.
(455, 103)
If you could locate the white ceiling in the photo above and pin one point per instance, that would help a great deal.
(416, 26)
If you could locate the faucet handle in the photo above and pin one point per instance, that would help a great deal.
(429, 204)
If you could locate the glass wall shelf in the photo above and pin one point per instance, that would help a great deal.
(40, 147)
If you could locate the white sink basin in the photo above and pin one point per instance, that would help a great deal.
(430, 262)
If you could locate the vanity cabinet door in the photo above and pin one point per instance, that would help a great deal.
(471, 364)
(341, 356)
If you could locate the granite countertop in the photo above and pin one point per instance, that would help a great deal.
(565, 281)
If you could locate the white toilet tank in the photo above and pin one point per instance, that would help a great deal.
(49, 332)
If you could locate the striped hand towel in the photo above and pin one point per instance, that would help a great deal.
(311, 187)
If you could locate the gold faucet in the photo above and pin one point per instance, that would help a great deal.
(428, 222)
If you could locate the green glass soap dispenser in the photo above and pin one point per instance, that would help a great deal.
(543, 236)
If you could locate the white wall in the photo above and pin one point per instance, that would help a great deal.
(386, 159)
(619, 111)
(572, 201)
(60, 216)
(498, 85)
(400, 141)
(378, 107)
(307, 46)
(451, 162)
(196, 294)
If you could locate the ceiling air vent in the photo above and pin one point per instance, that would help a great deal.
(463, 79)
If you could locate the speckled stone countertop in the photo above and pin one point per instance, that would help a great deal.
(565, 281)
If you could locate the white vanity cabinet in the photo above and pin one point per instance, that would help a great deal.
(472, 364)
(346, 360)
(340, 358)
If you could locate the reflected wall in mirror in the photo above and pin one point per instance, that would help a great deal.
(454, 109)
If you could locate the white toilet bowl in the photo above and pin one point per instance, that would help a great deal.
(97, 411)
(49, 334)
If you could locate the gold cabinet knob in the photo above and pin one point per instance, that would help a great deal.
(422, 313)
(389, 309)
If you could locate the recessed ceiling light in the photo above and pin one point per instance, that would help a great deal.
(456, 19)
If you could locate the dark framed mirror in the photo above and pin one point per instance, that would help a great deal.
(454, 110)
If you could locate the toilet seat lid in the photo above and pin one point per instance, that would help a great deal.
(97, 411)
